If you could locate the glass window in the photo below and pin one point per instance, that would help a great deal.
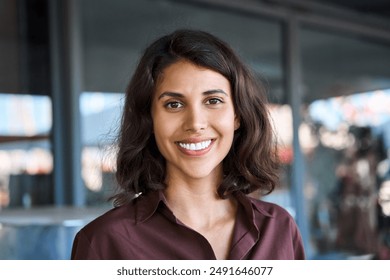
(25, 109)
(26, 160)
(345, 138)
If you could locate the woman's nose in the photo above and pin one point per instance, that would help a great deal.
(195, 119)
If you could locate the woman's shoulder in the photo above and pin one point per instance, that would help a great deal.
(111, 220)
(93, 240)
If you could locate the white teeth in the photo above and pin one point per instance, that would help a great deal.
(195, 146)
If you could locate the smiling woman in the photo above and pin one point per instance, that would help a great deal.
(195, 139)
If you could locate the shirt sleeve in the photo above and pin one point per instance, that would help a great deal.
(81, 249)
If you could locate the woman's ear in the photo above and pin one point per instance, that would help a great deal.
(236, 122)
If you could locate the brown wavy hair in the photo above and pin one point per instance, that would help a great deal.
(251, 163)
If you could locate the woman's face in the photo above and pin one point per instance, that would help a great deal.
(193, 120)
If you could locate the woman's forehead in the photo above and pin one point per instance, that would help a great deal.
(185, 76)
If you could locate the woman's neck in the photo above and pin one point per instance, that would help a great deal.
(196, 202)
(198, 206)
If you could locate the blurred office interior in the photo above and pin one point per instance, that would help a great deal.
(64, 65)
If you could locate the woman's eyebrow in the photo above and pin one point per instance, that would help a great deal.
(180, 95)
(170, 94)
(213, 91)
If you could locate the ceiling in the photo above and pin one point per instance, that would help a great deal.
(379, 8)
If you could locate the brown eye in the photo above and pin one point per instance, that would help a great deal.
(173, 105)
(214, 101)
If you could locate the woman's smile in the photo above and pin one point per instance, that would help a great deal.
(195, 148)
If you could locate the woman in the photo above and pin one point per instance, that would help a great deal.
(195, 139)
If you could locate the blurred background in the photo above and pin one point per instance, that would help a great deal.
(64, 65)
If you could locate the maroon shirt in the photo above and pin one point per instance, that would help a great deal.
(146, 229)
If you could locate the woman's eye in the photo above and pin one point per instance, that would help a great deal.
(214, 101)
(173, 105)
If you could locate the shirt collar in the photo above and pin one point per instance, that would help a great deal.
(246, 233)
(148, 204)
(252, 204)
